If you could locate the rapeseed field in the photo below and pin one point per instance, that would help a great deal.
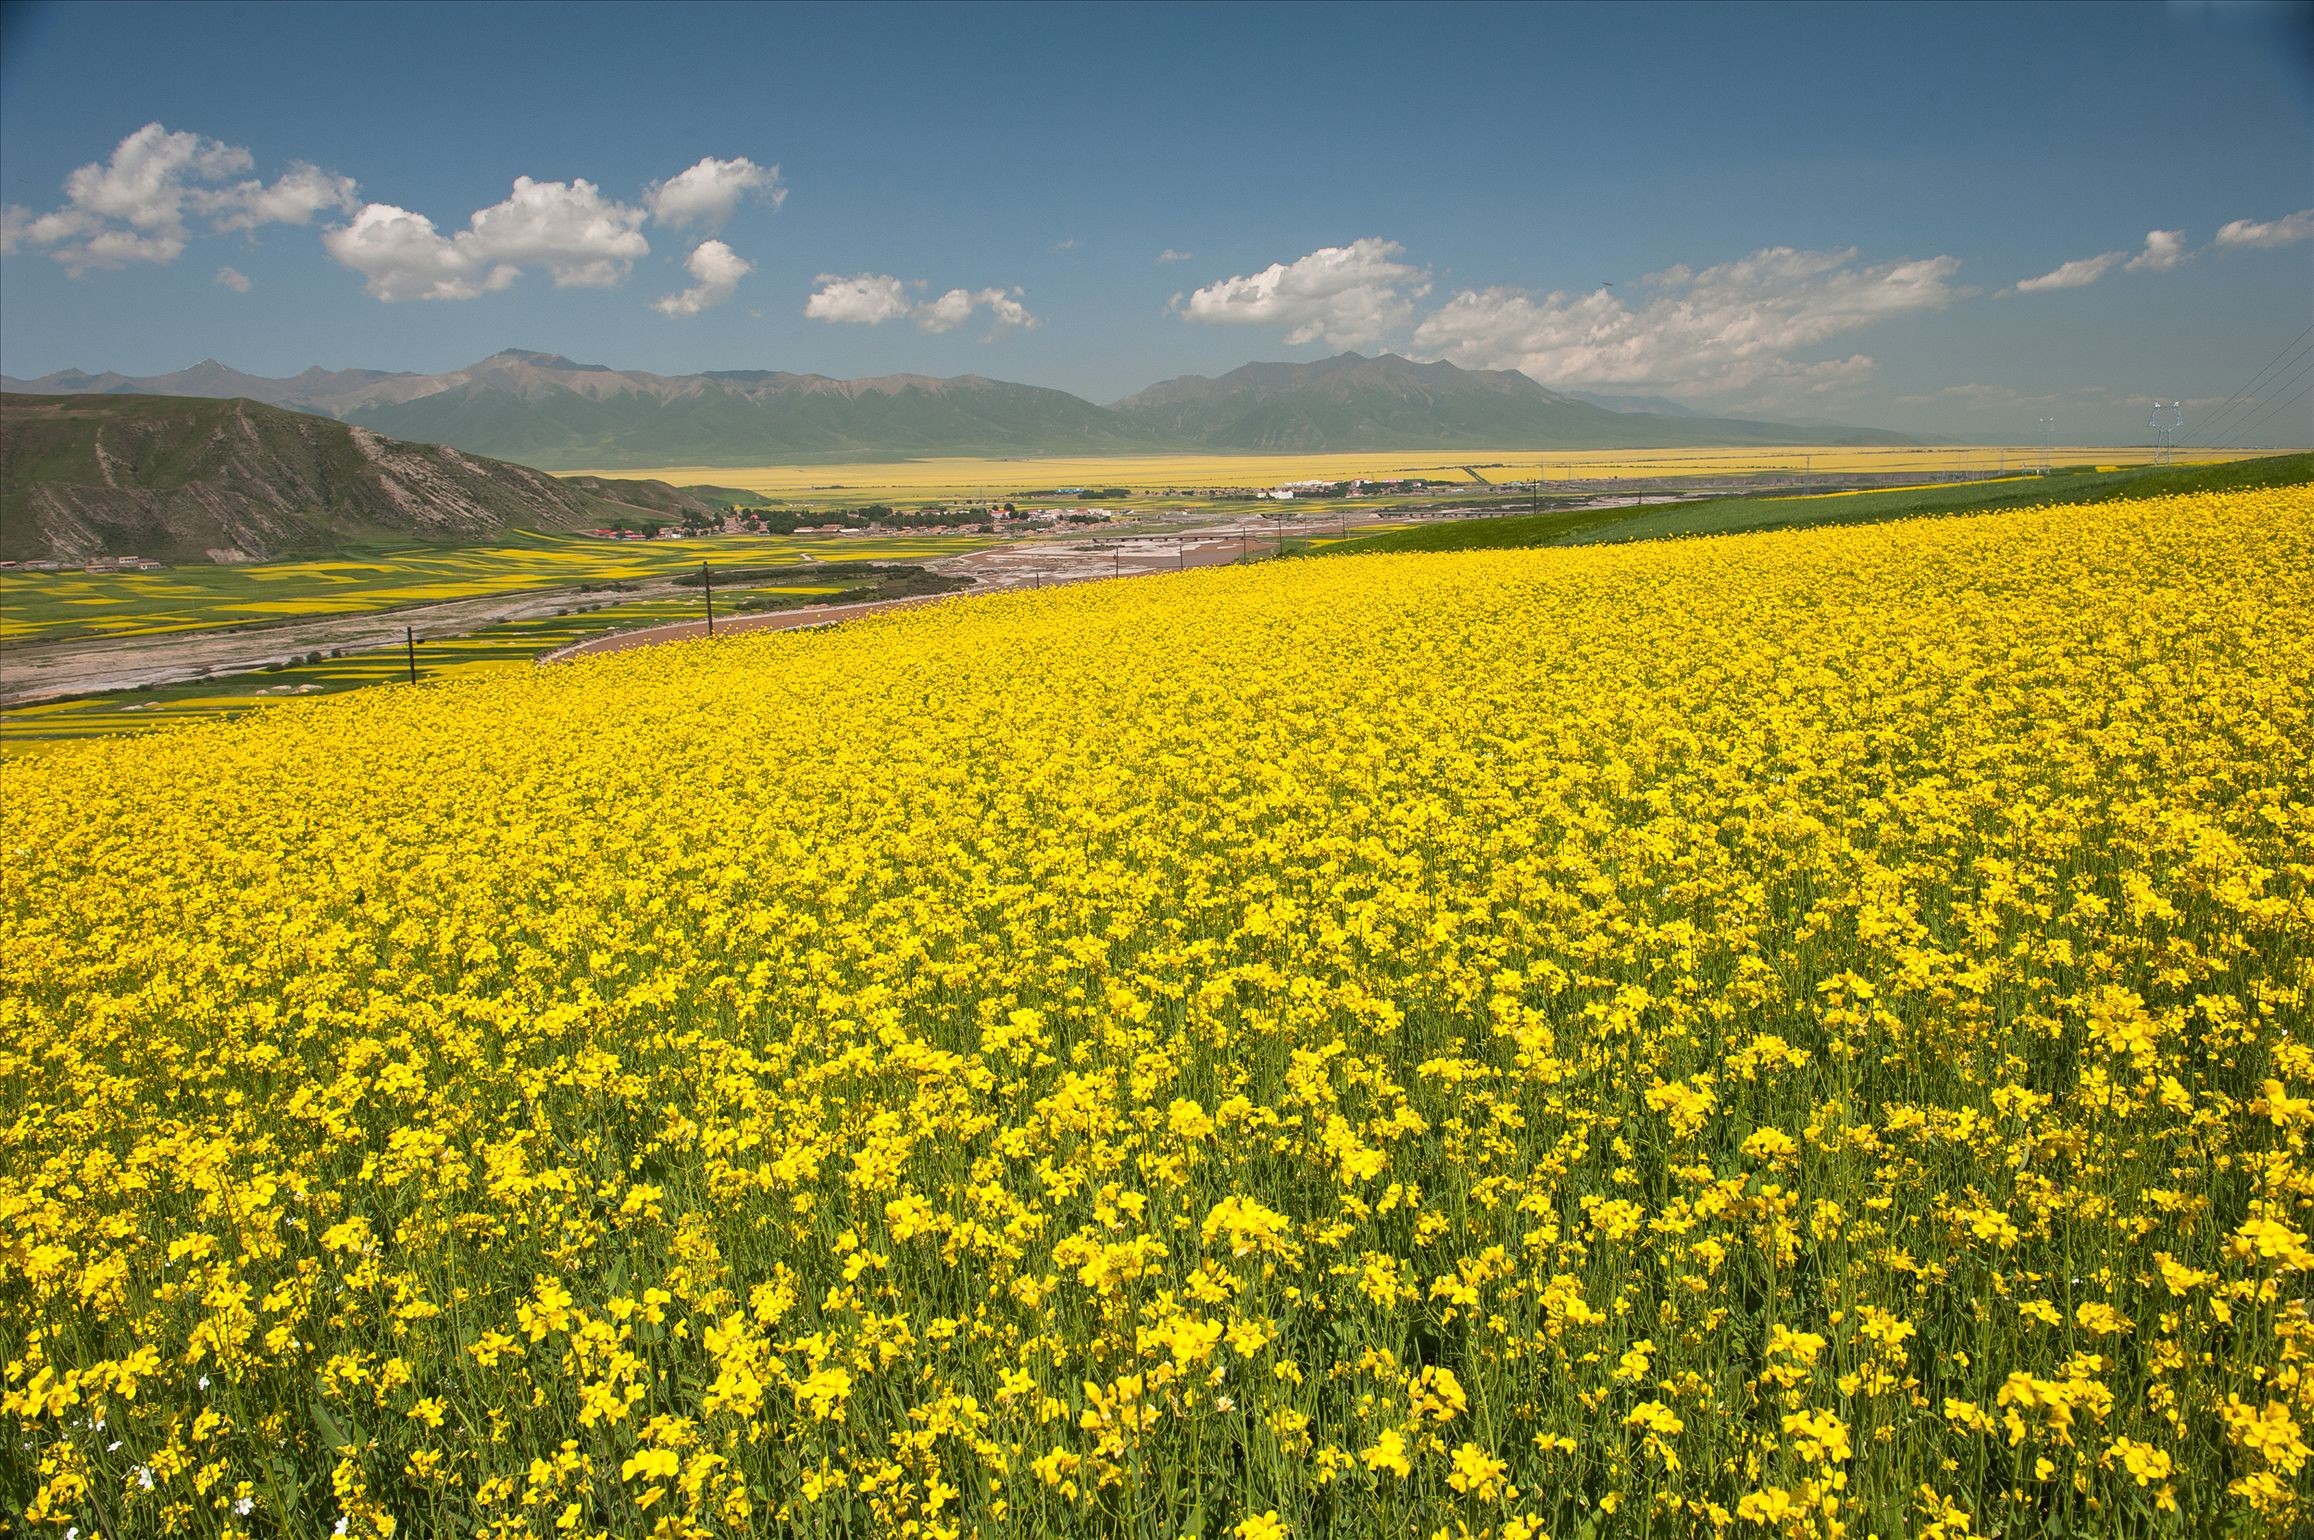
(1787, 1035)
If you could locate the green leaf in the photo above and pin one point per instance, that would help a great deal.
(331, 1433)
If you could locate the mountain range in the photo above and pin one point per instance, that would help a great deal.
(1353, 402)
(237, 480)
(544, 410)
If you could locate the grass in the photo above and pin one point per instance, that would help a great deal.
(1731, 515)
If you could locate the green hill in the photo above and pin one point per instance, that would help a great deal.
(1732, 515)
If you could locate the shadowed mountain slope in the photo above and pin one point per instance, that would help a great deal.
(192, 479)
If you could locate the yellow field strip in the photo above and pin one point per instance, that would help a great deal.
(969, 477)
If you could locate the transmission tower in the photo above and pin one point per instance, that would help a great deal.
(2165, 421)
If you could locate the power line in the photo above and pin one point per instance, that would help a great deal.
(2243, 426)
(2210, 423)
(2304, 391)
(2252, 383)
(2294, 400)
(2216, 426)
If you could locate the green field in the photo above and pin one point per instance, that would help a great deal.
(57, 606)
(1731, 515)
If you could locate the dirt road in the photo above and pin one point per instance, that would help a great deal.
(46, 671)
(1038, 564)
(42, 671)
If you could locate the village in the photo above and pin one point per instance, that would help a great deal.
(101, 564)
(1014, 517)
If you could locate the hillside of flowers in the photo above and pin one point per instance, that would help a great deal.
(1787, 1035)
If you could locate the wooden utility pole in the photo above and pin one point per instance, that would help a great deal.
(410, 641)
(707, 581)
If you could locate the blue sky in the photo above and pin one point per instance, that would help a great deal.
(1813, 211)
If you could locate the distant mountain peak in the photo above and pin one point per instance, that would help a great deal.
(541, 361)
(545, 409)
(1353, 402)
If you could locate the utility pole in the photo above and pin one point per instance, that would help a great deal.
(410, 641)
(707, 581)
(2165, 422)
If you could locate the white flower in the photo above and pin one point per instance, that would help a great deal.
(145, 1477)
(340, 1527)
(242, 1506)
(115, 1444)
(202, 1382)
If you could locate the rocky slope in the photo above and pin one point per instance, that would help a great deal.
(190, 479)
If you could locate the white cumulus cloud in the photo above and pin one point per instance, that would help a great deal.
(710, 190)
(1006, 309)
(137, 206)
(946, 313)
(234, 279)
(293, 198)
(956, 307)
(403, 256)
(716, 269)
(1733, 326)
(866, 299)
(1345, 296)
(2076, 274)
(2164, 249)
(870, 299)
(2286, 231)
(581, 238)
